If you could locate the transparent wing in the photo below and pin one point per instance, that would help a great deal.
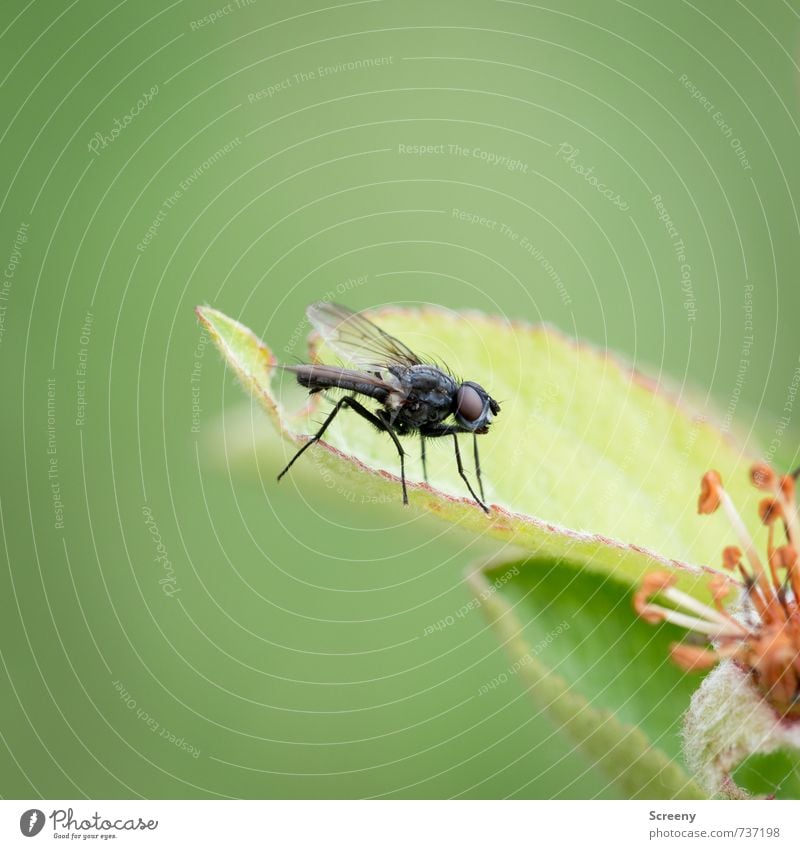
(356, 338)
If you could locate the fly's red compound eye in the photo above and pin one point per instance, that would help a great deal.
(469, 404)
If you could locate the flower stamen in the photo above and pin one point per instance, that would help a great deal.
(705, 621)
(765, 642)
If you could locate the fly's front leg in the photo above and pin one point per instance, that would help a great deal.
(422, 455)
(454, 430)
(477, 465)
(464, 475)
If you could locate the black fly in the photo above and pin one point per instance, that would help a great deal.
(415, 397)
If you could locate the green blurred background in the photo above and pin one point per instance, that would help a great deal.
(280, 153)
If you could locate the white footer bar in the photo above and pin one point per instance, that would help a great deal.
(390, 824)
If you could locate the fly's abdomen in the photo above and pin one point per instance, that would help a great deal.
(317, 378)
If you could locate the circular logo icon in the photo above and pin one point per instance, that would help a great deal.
(31, 822)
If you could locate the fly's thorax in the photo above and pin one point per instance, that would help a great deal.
(428, 395)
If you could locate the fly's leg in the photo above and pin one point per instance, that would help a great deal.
(464, 476)
(362, 411)
(436, 430)
(316, 437)
(385, 425)
(422, 455)
(477, 465)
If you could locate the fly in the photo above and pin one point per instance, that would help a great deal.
(415, 397)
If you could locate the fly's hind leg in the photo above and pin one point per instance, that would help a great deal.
(317, 436)
(349, 401)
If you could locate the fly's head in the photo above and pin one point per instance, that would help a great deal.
(474, 407)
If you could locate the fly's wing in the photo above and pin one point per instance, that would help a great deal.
(320, 377)
(356, 338)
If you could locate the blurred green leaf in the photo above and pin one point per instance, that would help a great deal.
(776, 774)
(619, 661)
(573, 634)
(587, 461)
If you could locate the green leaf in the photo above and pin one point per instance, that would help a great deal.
(587, 461)
(571, 634)
(775, 775)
